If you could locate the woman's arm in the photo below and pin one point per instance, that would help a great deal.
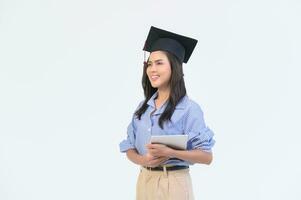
(145, 160)
(134, 156)
(193, 156)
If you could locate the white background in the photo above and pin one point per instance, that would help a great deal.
(70, 79)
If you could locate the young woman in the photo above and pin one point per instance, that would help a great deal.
(166, 110)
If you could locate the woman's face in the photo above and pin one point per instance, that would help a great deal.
(158, 70)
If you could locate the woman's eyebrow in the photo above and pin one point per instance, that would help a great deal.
(156, 60)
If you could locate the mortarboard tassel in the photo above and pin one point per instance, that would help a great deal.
(144, 62)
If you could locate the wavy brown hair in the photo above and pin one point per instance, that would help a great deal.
(177, 89)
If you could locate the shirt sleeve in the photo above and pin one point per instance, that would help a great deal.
(200, 136)
(129, 142)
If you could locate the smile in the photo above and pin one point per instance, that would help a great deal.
(154, 77)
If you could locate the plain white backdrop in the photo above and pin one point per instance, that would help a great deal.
(70, 79)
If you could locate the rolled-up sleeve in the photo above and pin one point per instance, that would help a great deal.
(200, 136)
(129, 142)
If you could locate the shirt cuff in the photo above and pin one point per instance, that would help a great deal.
(202, 140)
(125, 145)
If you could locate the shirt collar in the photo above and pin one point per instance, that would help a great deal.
(151, 101)
(181, 105)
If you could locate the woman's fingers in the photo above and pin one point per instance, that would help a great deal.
(150, 156)
(157, 161)
(155, 146)
(164, 159)
(153, 151)
(159, 150)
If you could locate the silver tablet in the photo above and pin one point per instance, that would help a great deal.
(173, 141)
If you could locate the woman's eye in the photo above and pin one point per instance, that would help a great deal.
(149, 64)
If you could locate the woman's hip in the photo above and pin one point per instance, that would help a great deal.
(165, 185)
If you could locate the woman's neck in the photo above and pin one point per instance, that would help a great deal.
(163, 94)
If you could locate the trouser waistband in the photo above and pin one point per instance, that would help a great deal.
(167, 168)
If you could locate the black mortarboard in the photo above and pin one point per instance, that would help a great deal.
(179, 45)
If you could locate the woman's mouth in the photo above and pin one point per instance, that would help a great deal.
(154, 77)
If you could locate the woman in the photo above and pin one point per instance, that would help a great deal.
(166, 110)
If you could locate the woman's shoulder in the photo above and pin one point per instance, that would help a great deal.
(190, 104)
(187, 108)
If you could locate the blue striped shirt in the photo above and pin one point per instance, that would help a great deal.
(186, 119)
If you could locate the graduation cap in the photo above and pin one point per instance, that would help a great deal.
(179, 45)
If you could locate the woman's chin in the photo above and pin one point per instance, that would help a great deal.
(155, 85)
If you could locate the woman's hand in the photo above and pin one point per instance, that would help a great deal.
(152, 161)
(159, 150)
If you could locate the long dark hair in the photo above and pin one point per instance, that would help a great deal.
(177, 89)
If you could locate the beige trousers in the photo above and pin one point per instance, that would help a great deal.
(164, 185)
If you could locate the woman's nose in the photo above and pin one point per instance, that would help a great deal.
(153, 67)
